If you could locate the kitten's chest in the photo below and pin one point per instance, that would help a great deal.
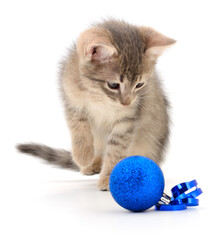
(103, 114)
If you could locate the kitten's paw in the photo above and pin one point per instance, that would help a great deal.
(94, 168)
(87, 170)
(103, 183)
(97, 164)
(83, 157)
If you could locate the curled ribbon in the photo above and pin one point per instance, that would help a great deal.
(183, 196)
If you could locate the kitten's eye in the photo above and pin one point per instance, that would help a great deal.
(139, 85)
(113, 85)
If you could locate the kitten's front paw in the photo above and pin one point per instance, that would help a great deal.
(83, 156)
(97, 164)
(93, 168)
(87, 170)
(103, 183)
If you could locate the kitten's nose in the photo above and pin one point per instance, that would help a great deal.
(126, 101)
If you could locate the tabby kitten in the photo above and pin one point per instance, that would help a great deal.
(114, 103)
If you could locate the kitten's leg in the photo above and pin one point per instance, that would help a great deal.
(150, 142)
(82, 139)
(146, 147)
(116, 149)
(99, 143)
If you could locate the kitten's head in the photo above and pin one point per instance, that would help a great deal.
(116, 59)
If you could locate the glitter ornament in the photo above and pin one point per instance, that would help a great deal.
(136, 183)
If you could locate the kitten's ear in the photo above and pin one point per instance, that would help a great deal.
(156, 43)
(94, 45)
(99, 52)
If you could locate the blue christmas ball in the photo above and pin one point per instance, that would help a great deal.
(136, 183)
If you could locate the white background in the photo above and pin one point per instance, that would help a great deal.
(41, 202)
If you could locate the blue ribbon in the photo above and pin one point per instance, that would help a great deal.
(182, 197)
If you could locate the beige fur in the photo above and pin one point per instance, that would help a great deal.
(107, 125)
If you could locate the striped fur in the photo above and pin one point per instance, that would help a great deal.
(57, 157)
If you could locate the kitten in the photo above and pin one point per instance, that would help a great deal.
(114, 103)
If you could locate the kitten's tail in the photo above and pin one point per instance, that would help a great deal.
(58, 157)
